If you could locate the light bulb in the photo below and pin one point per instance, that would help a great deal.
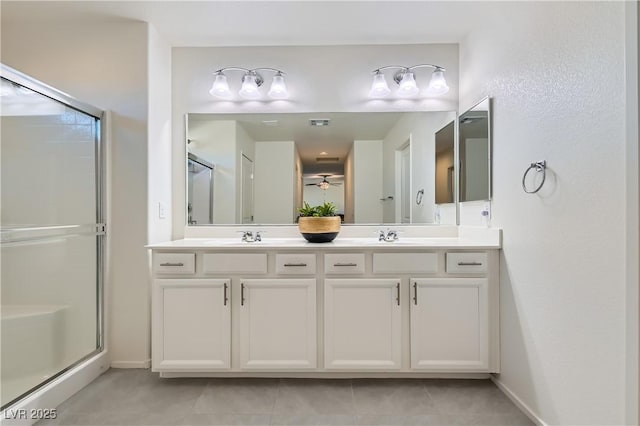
(278, 88)
(379, 87)
(249, 88)
(408, 86)
(324, 185)
(437, 84)
(220, 87)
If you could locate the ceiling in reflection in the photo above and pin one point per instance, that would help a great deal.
(313, 142)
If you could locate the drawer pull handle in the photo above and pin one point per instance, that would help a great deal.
(172, 264)
(415, 293)
(345, 264)
(398, 293)
(469, 263)
(242, 294)
(225, 297)
(295, 264)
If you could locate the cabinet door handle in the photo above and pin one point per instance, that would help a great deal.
(469, 264)
(242, 294)
(415, 293)
(225, 297)
(172, 264)
(398, 293)
(295, 264)
(345, 264)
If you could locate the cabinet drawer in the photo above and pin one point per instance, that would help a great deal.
(344, 263)
(289, 264)
(466, 263)
(385, 263)
(174, 263)
(230, 263)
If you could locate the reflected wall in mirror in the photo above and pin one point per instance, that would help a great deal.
(475, 152)
(445, 164)
(376, 167)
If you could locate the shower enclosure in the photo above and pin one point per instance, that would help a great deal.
(51, 234)
(200, 191)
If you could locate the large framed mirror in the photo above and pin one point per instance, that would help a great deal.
(474, 150)
(376, 167)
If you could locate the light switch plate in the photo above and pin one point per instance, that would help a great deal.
(161, 211)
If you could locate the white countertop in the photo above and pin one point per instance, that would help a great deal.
(338, 243)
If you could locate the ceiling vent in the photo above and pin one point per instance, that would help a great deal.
(327, 159)
(319, 122)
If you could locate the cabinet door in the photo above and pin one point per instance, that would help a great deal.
(449, 324)
(191, 325)
(362, 324)
(278, 324)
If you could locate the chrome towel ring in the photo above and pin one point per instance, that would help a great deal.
(538, 166)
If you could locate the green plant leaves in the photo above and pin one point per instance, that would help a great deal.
(323, 210)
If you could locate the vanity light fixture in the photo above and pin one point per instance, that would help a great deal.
(251, 82)
(405, 78)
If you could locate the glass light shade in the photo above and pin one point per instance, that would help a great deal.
(278, 88)
(408, 85)
(324, 185)
(220, 87)
(437, 84)
(249, 89)
(379, 87)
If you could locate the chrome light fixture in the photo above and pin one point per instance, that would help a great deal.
(251, 82)
(405, 78)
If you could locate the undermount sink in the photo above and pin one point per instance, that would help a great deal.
(346, 242)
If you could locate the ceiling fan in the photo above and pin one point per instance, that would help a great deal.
(324, 184)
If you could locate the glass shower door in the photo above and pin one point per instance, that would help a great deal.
(51, 235)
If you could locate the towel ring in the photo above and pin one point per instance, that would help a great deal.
(538, 166)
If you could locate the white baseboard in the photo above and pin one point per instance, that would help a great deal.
(518, 402)
(131, 364)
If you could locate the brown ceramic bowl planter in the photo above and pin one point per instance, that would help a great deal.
(319, 224)
(319, 229)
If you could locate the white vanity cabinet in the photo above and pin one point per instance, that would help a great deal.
(449, 324)
(303, 310)
(277, 324)
(362, 323)
(191, 325)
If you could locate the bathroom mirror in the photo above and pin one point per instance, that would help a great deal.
(474, 133)
(376, 167)
(445, 164)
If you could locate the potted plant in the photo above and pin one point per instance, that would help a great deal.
(319, 224)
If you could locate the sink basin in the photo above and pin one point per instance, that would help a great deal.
(265, 242)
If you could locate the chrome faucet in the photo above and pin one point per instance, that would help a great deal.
(248, 237)
(389, 236)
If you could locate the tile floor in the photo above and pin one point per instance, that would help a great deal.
(139, 397)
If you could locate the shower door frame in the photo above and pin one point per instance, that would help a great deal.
(37, 86)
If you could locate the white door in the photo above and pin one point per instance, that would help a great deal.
(449, 324)
(362, 324)
(278, 324)
(247, 189)
(191, 324)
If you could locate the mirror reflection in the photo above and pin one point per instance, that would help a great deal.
(475, 153)
(445, 161)
(200, 190)
(375, 167)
